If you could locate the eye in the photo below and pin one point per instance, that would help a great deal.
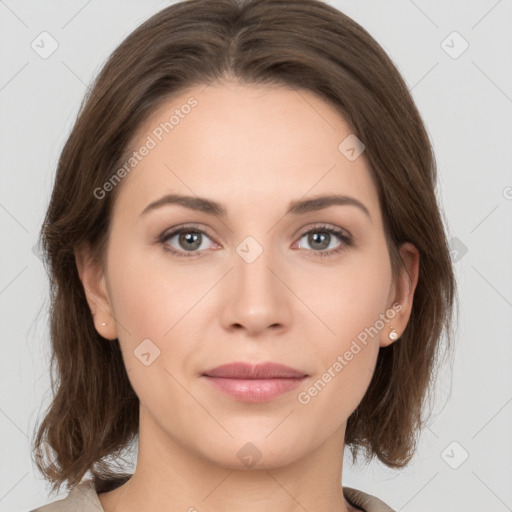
(321, 237)
(189, 239)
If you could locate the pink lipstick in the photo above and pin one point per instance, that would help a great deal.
(246, 382)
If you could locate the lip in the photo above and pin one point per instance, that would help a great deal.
(247, 382)
(242, 370)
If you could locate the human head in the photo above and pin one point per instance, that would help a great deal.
(259, 43)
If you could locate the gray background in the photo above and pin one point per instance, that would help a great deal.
(466, 103)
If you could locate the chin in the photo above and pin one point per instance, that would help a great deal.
(256, 454)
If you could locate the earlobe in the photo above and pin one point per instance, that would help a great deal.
(404, 294)
(93, 281)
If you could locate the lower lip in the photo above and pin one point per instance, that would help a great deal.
(255, 390)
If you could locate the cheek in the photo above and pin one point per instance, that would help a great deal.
(349, 298)
(353, 305)
(355, 369)
(151, 301)
(338, 387)
(347, 363)
(149, 296)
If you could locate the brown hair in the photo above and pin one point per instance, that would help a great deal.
(302, 44)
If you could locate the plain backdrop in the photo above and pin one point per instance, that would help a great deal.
(456, 58)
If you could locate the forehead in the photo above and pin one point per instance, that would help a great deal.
(245, 145)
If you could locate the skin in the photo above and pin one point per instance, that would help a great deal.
(253, 149)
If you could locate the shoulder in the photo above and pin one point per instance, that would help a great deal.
(365, 501)
(82, 498)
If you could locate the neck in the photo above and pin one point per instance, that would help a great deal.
(170, 477)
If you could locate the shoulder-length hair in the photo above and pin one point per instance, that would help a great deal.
(304, 44)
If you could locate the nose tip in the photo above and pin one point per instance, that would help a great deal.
(256, 298)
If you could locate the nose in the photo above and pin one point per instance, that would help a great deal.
(256, 296)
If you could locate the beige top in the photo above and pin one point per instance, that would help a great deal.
(83, 498)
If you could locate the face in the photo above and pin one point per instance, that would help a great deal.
(187, 290)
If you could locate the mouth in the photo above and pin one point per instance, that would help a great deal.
(246, 382)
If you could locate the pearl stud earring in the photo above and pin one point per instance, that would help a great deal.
(393, 335)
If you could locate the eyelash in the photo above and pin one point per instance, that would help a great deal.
(345, 238)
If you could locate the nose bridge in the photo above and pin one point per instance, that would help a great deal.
(256, 294)
(252, 263)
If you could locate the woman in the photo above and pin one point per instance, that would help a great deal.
(248, 264)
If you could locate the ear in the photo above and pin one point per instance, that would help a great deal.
(93, 279)
(402, 293)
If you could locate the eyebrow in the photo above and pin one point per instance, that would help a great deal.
(297, 207)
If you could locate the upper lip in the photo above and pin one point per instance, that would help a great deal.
(243, 370)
